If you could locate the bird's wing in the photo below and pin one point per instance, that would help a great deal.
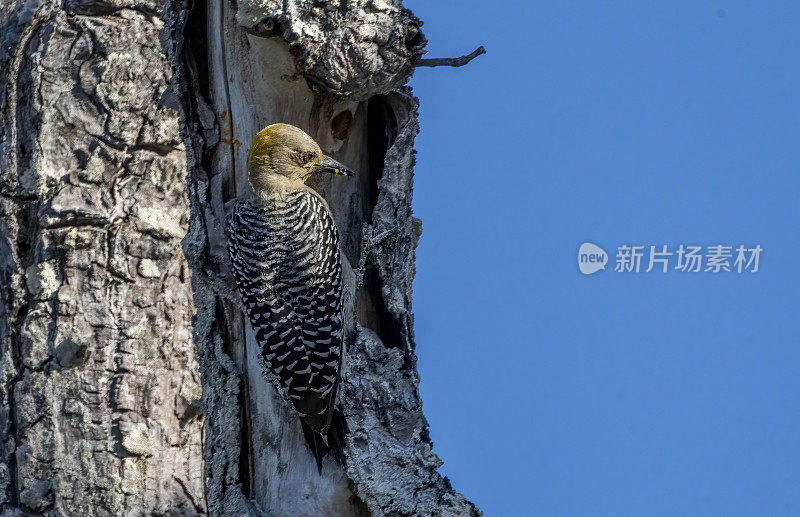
(289, 275)
(322, 321)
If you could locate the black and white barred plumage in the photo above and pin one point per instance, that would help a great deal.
(285, 256)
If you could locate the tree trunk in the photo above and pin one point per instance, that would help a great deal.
(129, 383)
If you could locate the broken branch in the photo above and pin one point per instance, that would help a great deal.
(452, 61)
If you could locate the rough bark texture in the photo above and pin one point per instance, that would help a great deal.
(100, 391)
(124, 128)
(345, 48)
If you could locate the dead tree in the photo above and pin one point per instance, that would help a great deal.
(128, 377)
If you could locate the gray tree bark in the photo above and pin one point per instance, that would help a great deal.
(129, 383)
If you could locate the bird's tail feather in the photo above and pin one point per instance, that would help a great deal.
(332, 442)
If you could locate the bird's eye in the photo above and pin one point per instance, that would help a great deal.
(307, 157)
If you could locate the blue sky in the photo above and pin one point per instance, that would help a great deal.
(553, 393)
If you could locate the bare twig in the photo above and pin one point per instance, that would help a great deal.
(452, 61)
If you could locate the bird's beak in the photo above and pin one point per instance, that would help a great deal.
(331, 166)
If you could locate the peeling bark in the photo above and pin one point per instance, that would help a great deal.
(124, 128)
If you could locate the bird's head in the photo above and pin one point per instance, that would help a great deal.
(283, 154)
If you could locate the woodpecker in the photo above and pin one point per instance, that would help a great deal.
(284, 249)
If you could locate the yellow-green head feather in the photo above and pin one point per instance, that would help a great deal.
(283, 153)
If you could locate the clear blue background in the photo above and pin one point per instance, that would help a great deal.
(551, 393)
